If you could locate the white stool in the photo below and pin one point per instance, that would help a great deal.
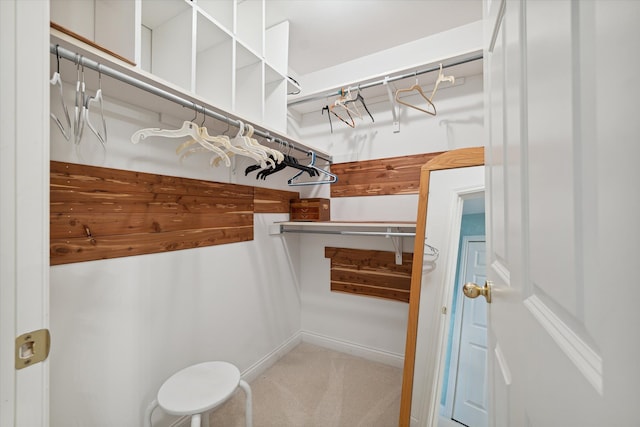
(198, 389)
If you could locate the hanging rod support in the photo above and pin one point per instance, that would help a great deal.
(125, 78)
(397, 245)
(395, 236)
(394, 110)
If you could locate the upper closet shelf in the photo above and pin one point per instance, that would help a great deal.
(393, 230)
(371, 228)
(80, 54)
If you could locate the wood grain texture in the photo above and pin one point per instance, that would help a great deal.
(314, 209)
(393, 175)
(370, 273)
(85, 40)
(267, 200)
(99, 213)
(464, 157)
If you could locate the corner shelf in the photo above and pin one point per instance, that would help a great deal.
(219, 50)
(391, 230)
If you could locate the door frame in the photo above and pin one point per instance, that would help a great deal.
(24, 197)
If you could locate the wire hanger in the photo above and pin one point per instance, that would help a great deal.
(56, 80)
(347, 98)
(331, 177)
(102, 137)
(340, 108)
(326, 108)
(416, 87)
(350, 122)
(361, 99)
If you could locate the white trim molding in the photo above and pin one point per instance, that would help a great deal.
(369, 353)
(586, 359)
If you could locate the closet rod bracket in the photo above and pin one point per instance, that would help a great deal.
(397, 245)
(394, 110)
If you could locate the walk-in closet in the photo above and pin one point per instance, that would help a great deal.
(170, 246)
(294, 188)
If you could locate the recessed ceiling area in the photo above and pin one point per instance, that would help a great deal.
(324, 33)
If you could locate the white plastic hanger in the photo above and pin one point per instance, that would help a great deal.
(441, 78)
(189, 129)
(233, 147)
(56, 80)
(219, 155)
(78, 123)
(225, 143)
(102, 137)
(272, 156)
(241, 143)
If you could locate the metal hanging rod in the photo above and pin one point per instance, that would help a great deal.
(76, 58)
(350, 233)
(395, 236)
(387, 80)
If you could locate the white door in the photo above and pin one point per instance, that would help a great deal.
(562, 93)
(470, 403)
(24, 205)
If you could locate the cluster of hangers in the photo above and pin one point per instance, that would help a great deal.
(345, 106)
(82, 107)
(223, 148)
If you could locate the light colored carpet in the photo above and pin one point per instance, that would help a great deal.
(312, 386)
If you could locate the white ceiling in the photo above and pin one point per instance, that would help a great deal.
(324, 33)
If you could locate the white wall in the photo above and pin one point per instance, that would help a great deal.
(362, 322)
(121, 326)
(440, 47)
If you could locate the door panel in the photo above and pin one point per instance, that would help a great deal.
(561, 329)
(552, 144)
(471, 393)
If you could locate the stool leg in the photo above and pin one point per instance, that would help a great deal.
(205, 419)
(148, 412)
(248, 411)
(195, 420)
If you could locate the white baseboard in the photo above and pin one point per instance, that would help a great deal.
(254, 371)
(381, 356)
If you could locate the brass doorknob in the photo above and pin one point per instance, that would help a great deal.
(472, 290)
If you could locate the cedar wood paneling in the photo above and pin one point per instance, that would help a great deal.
(379, 177)
(100, 213)
(369, 272)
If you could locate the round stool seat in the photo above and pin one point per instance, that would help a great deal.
(198, 388)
